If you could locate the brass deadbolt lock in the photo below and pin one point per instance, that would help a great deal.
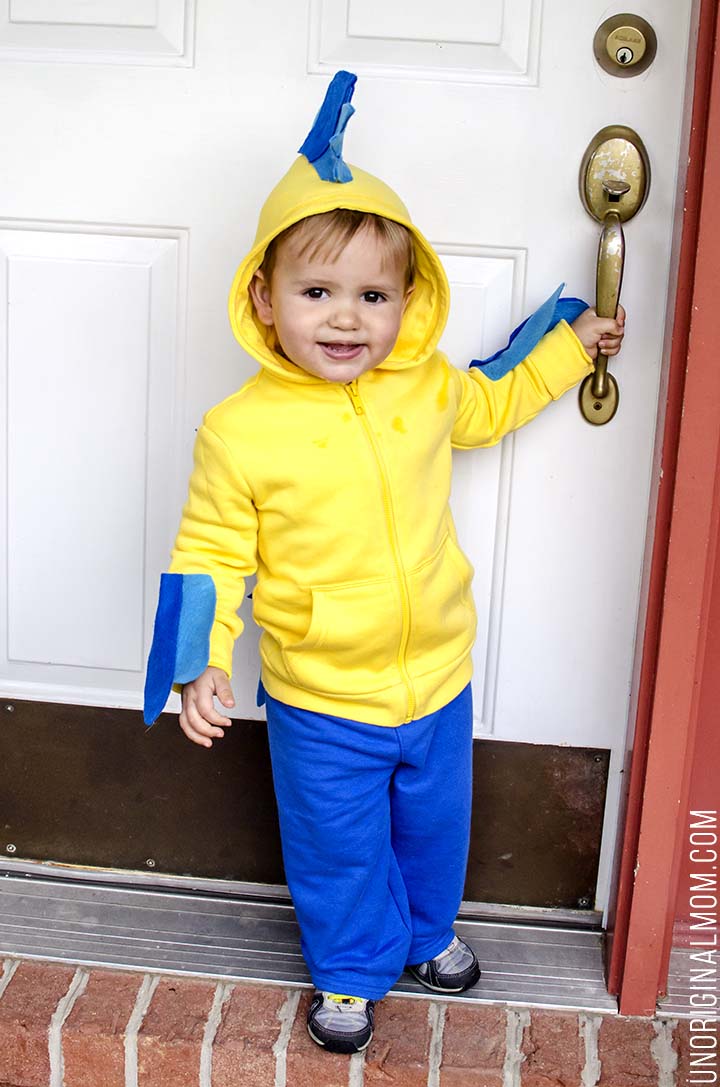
(625, 45)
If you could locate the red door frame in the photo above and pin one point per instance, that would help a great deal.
(681, 573)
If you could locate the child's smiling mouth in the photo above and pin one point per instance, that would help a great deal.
(342, 351)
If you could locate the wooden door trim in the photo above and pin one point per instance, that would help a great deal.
(680, 577)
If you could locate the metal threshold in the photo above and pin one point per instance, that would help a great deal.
(257, 940)
(682, 983)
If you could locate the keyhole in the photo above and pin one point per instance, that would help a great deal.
(624, 55)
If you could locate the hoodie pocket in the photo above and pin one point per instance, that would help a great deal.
(443, 623)
(352, 642)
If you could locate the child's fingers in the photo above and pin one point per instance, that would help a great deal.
(610, 345)
(206, 710)
(206, 706)
(192, 733)
(607, 327)
(194, 727)
(224, 692)
(199, 720)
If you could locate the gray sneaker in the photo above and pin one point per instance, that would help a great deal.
(452, 971)
(342, 1024)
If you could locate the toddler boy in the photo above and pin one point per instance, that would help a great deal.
(328, 475)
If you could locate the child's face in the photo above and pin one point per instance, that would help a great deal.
(335, 317)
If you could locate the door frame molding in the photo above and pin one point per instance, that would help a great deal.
(680, 571)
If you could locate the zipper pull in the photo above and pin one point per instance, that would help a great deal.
(352, 391)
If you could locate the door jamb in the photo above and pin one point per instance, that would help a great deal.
(680, 577)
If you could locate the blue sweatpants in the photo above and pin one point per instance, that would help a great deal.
(375, 828)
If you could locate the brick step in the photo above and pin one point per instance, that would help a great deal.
(66, 1026)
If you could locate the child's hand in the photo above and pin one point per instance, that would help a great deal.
(199, 719)
(600, 333)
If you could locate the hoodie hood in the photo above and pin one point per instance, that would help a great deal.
(303, 192)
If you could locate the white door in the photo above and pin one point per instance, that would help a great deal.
(139, 141)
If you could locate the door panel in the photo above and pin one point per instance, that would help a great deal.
(497, 42)
(99, 31)
(131, 186)
(89, 338)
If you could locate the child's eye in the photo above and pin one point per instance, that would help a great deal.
(373, 297)
(315, 292)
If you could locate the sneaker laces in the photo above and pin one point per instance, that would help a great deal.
(352, 1008)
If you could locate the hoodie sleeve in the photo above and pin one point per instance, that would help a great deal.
(218, 536)
(488, 410)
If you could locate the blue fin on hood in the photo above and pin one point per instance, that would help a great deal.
(323, 144)
(527, 335)
(181, 639)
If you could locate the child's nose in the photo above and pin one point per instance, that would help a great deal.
(344, 315)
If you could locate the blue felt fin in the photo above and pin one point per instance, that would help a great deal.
(196, 620)
(181, 637)
(323, 145)
(527, 335)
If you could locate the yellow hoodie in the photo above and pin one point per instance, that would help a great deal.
(337, 495)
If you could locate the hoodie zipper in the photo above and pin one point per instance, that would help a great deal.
(353, 392)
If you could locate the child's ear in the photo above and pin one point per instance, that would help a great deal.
(260, 293)
(408, 296)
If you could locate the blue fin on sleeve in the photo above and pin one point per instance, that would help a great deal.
(181, 637)
(323, 145)
(527, 335)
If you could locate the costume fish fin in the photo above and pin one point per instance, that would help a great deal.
(181, 638)
(323, 144)
(527, 335)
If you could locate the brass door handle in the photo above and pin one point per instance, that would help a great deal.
(614, 183)
(610, 265)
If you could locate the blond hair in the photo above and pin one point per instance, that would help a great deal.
(327, 234)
